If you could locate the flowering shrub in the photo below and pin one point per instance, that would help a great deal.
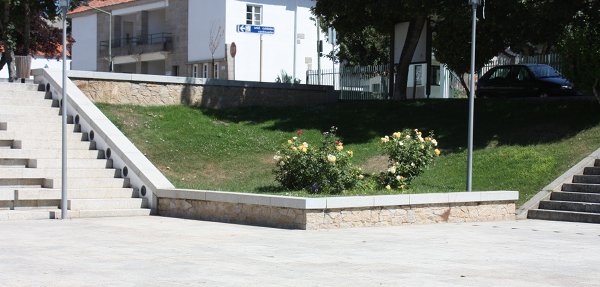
(319, 169)
(408, 153)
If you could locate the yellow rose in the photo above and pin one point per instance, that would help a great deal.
(289, 141)
(350, 153)
(294, 148)
(339, 147)
(388, 187)
(397, 135)
(331, 158)
(427, 139)
(361, 176)
(437, 152)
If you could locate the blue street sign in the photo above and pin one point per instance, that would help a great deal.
(242, 28)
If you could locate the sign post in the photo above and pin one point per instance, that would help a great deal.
(233, 52)
(256, 29)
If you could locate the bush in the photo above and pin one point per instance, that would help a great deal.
(408, 155)
(318, 169)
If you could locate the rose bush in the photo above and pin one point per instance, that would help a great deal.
(408, 153)
(319, 169)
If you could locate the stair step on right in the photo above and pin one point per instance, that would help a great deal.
(581, 187)
(6, 87)
(570, 206)
(559, 215)
(591, 170)
(53, 193)
(575, 196)
(593, 179)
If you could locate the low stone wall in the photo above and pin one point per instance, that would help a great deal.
(149, 90)
(343, 212)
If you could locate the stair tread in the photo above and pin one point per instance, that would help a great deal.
(566, 212)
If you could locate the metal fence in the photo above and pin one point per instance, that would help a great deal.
(548, 59)
(354, 83)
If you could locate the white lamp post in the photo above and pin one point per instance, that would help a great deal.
(64, 6)
(474, 4)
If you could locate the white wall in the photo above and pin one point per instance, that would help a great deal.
(202, 15)
(278, 49)
(85, 48)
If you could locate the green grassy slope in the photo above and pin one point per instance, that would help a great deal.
(519, 144)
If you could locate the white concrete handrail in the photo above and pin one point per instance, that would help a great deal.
(143, 175)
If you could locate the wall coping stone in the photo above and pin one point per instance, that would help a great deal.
(339, 202)
(88, 75)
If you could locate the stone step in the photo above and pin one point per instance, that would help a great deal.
(22, 182)
(105, 204)
(575, 196)
(14, 162)
(20, 120)
(72, 163)
(593, 170)
(40, 214)
(107, 213)
(5, 86)
(34, 214)
(50, 154)
(559, 215)
(23, 110)
(23, 134)
(594, 179)
(54, 193)
(57, 172)
(27, 101)
(83, 183)
(51, 126)
(570, 206)
(72, 144)
(24, 95)
(581, 187)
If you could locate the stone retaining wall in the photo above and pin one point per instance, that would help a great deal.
(292, 213)
(149, 90)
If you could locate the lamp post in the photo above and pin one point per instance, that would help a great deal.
(64, 6)
(110, 61)
(474, 4)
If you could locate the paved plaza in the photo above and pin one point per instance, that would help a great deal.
(159, 251)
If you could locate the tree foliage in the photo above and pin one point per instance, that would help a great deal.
(580, 48)
(524, 26)
(25, 26)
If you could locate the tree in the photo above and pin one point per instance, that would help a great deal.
(580, 48)
(214, 40)
(25, 26)
(521, 25)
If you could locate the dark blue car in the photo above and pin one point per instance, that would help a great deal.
(527, 80)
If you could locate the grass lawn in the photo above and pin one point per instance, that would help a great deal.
(519, 144)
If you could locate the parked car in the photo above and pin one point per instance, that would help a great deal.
(528, 80)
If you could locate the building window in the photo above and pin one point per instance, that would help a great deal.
(216, 71)
(175, 71)
(195, 71)
(205, 71)
(254, 15)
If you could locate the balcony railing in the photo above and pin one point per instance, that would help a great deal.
(138, 45)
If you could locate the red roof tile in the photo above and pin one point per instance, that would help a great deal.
(98, 4)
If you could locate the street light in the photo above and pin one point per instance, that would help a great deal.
(474, 4)
(64, 6)
(110, 61)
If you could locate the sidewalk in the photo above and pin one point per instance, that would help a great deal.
(158, 251)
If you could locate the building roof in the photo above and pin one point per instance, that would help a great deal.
(98, 4)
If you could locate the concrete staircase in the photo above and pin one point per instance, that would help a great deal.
(30, 163)
(578, 201)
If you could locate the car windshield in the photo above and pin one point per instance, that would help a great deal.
(544, 71)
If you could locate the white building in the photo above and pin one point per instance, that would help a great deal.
(173, 37)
